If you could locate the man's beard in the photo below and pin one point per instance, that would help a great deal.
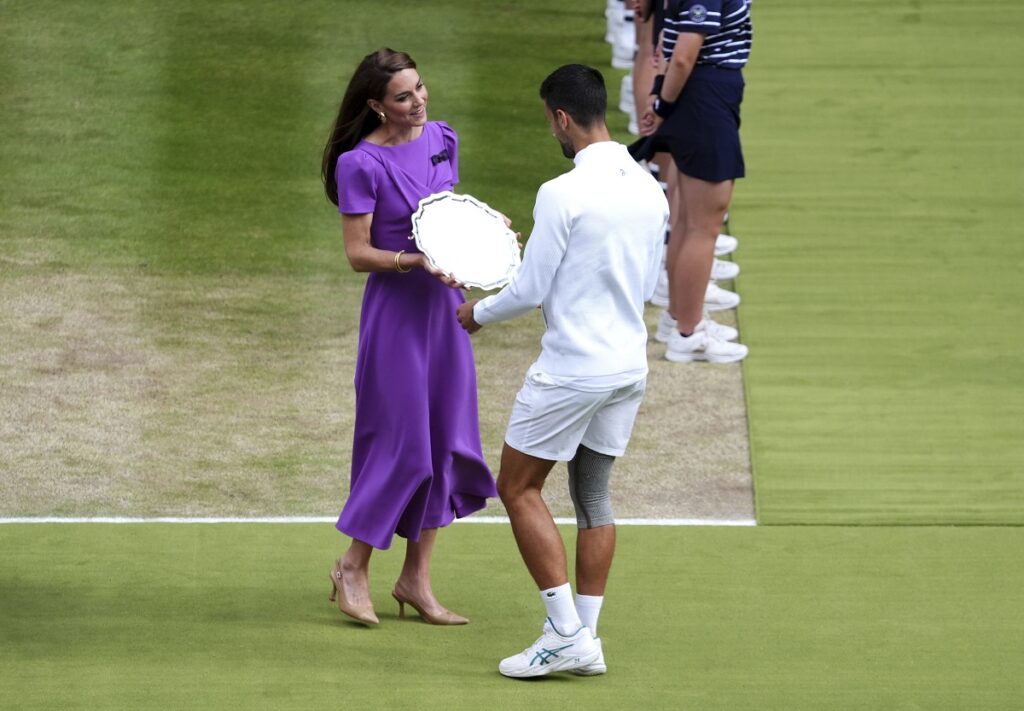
(567, 150)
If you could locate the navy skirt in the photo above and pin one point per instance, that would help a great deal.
(703, 133)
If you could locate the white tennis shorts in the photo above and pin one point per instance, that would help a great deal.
(551, 421)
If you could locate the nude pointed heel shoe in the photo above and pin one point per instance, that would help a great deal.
(445, 617)
(361, 613)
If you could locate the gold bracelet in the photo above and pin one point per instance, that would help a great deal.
(398, 263)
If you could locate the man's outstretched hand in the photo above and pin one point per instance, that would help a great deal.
(465, 315)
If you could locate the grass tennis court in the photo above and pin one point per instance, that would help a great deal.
(883, 287)
(178, 320)
(224, 616)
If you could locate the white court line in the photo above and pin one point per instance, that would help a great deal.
(328, 519)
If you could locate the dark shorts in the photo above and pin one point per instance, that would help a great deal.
(703, 133)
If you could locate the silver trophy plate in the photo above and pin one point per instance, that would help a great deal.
(467, 239)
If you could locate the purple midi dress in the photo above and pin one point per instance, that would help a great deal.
(416, 456)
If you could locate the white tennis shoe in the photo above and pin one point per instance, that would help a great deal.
(718, 299)
(553, 652)
(715, 297)
(668, 325)
(721, 269)
(702, 346)
(725, 244)
(595, 667)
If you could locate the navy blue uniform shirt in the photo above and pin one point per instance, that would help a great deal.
(724, 23)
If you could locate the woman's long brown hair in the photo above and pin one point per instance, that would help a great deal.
(355, 118)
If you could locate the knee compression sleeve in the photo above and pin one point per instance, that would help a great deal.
(588, 486)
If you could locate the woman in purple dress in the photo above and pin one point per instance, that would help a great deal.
(416, 455)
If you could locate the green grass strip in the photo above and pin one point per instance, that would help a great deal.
(236, 616)
(881, 245)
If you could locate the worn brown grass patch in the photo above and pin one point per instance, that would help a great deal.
(154, 395)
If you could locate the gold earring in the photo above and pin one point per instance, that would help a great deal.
(382, 116)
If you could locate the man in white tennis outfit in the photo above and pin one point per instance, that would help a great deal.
(591, 262)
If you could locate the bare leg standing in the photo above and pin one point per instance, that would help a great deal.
(413, 584)
(520, 482)
(350, 584)
(595, 548)
(695, 230)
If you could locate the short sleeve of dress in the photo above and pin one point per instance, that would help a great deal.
(357, 182)
(451, 144)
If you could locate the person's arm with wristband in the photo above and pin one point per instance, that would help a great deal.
(684, 57)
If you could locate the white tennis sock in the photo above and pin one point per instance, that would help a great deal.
(589, 609)
(561, 609)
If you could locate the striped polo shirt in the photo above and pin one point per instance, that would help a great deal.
(725, 25)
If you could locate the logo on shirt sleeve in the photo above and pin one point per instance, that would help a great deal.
(698, 13)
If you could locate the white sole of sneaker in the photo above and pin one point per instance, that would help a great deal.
(569, 665)
(722, 333)
(594, 670)
(703, 357)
